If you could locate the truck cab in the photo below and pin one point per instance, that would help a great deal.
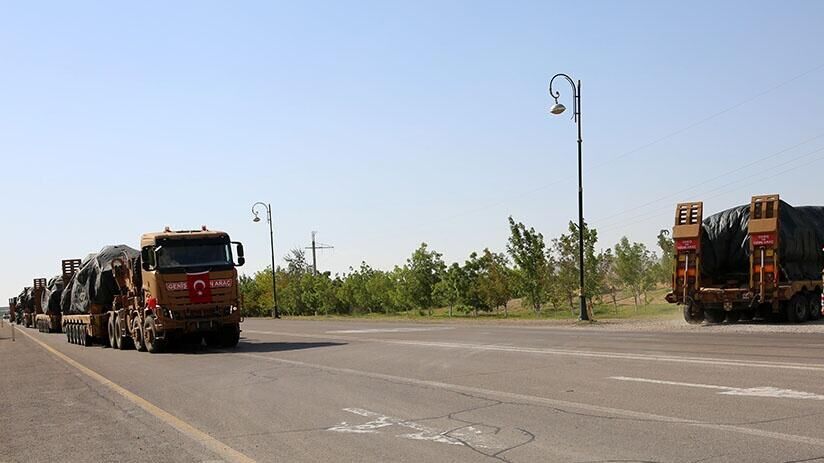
(189, 286)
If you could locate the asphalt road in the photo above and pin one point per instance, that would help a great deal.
(364, 391)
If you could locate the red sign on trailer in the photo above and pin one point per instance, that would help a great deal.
(686, 245)
(762, 239)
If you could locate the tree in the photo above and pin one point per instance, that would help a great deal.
(425, 270)
(451, 289)
(528, 252)
(566, 250)
(667, 261)
(634, 265)
(495, 282)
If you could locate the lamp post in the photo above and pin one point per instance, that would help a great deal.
(268, 207)
(558, 108)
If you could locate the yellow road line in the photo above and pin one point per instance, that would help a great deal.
(224, 451)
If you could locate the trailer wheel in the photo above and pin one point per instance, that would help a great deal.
(797, 309)
(153, 344)
(693, 314)
(714, 315)
(733, 316)
(84, 337)
(137, 336)
(814, 306)
(74, 334)
(68, 330)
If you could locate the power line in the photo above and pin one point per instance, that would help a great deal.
(654, 214)
(314, 247)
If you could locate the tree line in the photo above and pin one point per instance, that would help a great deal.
(544, 276)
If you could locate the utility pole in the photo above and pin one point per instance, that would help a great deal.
(315, 246)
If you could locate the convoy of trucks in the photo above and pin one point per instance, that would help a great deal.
(180, 285)
(763, 260)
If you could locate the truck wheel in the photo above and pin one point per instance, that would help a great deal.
(137, 336)
(212, 339)
(124, 342)
(111, 332)
(814, 306)
(153, 344)
(693, 314)
(714, 315)
(68, 330)
(84, 338)
(797, 309)
(733, 316)
(229, 335)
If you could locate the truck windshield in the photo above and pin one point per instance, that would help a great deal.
(193, 254)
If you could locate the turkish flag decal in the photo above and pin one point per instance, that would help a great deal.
(200, 289)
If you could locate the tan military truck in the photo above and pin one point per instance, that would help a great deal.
(181, 285)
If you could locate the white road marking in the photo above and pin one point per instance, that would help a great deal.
(390, 330)
(568, 352)
(382, 421)
(762, 391)
(512, 396)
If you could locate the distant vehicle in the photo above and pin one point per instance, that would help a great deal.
(763, 260)
(180, 285)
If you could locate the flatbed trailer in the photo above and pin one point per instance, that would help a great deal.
(86, 329)
(51, 321)
(12, 310)
(33, 306)
(766, 293)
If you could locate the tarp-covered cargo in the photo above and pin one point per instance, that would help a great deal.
(94, 284)
(725, 243)
(25, 302)
(50, 298)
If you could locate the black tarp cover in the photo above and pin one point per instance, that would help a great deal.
(725, 245)
(94, 283)
(50, 299)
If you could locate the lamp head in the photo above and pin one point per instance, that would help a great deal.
(557, 108)
(256, 219)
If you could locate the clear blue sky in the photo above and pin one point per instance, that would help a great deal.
(385, 124)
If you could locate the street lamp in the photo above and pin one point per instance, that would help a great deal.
(256, 219)
(556, 109)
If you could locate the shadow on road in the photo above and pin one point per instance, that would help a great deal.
(247, 346)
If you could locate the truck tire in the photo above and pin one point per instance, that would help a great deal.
(85, 341)
(814, 306)
(110, 331)
(797, 309)
(229, 335)
(68, 330)
(137, 336)
(693, 314)
(212, 339)
(124, 342)
(733, 316)
(714, 315)
(153, 344)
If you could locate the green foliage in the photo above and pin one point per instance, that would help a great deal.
(424, 271)
(635, 267)
(528, 252)
(486, 281)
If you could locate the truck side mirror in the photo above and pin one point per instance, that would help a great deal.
(240, 259)
(147, 258)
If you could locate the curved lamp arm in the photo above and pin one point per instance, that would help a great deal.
(555, 94)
